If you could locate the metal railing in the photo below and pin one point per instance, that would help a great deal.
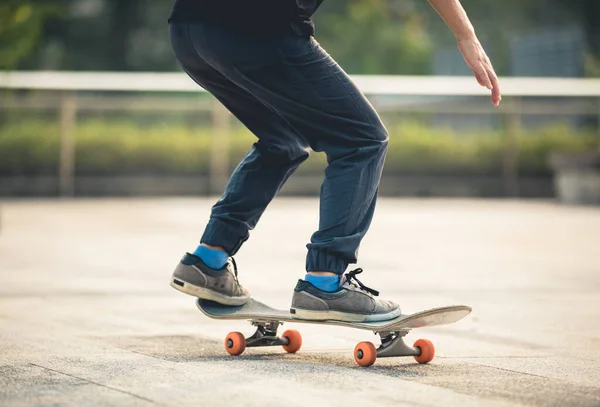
(73, 89)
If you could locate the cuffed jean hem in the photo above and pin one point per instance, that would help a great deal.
(219, 233)
(323, 260)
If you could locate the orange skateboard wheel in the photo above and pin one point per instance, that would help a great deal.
(427, 350)
(365, 354)
(235, 343)
(295, 341)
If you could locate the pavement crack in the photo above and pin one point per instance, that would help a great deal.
(492, 357)
(97, 384)
(137, 352)
(513, 371)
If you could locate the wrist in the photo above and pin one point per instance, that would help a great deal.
(466, 35)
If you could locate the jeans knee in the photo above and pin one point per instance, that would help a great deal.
(378, 145)
(381, 133)
(282, 154)
(376, 141)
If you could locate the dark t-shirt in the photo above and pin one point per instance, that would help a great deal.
(250, 16)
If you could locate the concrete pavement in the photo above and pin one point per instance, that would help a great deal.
(87, 316)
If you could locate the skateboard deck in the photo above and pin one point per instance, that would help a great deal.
(267, 319)
(255, 310)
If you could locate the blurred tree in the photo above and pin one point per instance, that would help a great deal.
(125, 18)
(375, 36)
(365, 36)
(588, 12)
(399, 36)
(104, 35)
(499, 22)
(92, 35)
(21, 24)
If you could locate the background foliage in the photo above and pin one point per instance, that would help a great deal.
(365, 36)
(30, 147)
(132, 35)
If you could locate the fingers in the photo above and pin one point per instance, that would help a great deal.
(482, 76)
(486, 77)
(496, 95)
(480, 64)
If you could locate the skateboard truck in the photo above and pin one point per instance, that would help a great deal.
(266, 334)
(392, 344)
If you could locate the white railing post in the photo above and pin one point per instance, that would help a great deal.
(66, 166)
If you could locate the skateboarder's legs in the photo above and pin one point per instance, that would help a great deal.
(265, 168)
(304, 98)
(289, 92)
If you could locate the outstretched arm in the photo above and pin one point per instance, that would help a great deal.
(455, 16)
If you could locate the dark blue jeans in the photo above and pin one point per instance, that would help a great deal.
(293, 96)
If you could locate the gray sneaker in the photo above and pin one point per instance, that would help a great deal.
(353, 302)
(193, 277)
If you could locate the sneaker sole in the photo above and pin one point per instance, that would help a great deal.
(206, 294)
(310, 315)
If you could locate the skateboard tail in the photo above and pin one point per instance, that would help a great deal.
(421, 320)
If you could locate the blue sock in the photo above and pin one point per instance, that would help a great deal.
(324, 283)
(215, 259)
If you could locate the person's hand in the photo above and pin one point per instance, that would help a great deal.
(482, 68)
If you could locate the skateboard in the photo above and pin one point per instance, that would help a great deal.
(267, 321)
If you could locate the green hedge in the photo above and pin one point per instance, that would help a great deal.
(124, 148)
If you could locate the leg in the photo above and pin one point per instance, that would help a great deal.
(264, 170)
(207, 274)
(297, 78)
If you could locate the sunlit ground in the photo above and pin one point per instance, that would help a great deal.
(87, 316)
